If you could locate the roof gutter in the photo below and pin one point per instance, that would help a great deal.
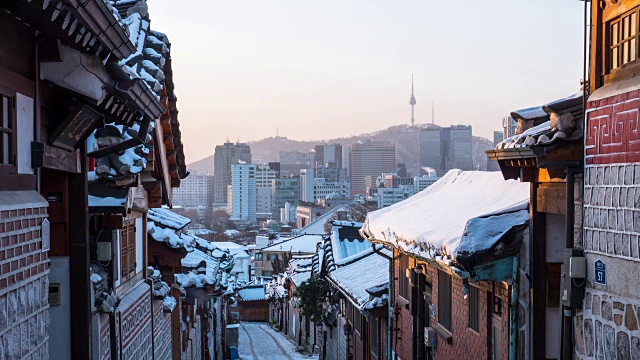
(103, 23)
(390, 293)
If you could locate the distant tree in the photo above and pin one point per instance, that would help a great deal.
(355, 212)
(312, 293)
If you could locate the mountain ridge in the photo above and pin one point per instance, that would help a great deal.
(405, 137)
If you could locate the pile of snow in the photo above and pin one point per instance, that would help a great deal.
(170, 237)
(231, 233)
(432, 223)
(168, 304)
(192, 279)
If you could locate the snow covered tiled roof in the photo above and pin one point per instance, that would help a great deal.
(251, 293)
(300, 244)
(355, 278)
(168, 218)
(299, 277)
(432, 223)
(170, 237)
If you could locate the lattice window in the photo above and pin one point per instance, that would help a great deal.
(128, 249)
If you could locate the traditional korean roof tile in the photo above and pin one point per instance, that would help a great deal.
(539, 132)
(355, 278)
(168, 218)
(305, 244)
(251, 293)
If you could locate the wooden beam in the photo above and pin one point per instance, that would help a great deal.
(538, 243)
(79, 262)
(552, 200)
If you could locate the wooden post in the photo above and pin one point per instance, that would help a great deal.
(79, 262)
(538, 246)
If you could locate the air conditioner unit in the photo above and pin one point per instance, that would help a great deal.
(430, 339)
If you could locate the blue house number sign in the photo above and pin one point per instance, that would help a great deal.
(601, 272)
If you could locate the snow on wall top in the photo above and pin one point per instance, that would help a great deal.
(317, 225)
(251, 293)
(435, 218)
(354, 279)
(300, 244)
(168, 218)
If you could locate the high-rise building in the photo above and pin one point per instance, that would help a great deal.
(243, 192)
(264, 177)
(492, 165)
(284, 190)
(460, 154)
(370, 158)
(509, 126)
(225, 156)
(328, 154)
(291, 162)
(307, 185)
(195, 190)
(446, 148)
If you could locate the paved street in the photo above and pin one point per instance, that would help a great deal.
(259, 341)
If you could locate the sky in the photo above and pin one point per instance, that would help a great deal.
(324, 69)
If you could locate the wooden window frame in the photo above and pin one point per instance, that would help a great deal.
(473, 306)
(374, 335)
(611, 47)
(445, 304)
(403, 281)
(128, 250)
(10, 167)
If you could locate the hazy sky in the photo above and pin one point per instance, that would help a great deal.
(324, 69)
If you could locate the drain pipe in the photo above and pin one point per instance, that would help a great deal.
(513, 335)
(390, 293)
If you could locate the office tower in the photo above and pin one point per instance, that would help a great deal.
(307, 185)
(328, 154)
(264, 176)
(509, 126)
(195, 190)
(460, 155)
(226, 155)
(284, 190)
(492, 165)
(291, 162)
(243, 192)
(446, 148)
(370, 158)
(431, 153)
(331, 172)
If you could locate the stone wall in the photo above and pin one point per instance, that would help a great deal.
(607, 327)
(24, 283)
(612, 210)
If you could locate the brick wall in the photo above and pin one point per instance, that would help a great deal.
(466, 343)
(24, 284)
(161, 332)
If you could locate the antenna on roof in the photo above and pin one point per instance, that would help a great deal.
(433, 112)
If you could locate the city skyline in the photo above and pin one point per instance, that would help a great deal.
(265, 66)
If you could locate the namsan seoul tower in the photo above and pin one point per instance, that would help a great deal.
(412, 102)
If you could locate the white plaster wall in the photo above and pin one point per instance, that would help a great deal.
(60, 333)
(25, 125)
(555, 238)
(139, 245)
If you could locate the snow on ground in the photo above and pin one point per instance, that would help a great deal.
(259, 341)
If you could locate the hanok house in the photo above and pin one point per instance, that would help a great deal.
(252, 304)
(460, 258)
(303, 331)
(274, 259)
(608, 323)
(62, 75)
(547, 153)
(356, 317)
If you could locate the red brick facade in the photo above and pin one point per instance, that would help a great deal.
(465, 342)
(612, 129)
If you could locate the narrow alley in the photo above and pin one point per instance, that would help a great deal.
(258, 340)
